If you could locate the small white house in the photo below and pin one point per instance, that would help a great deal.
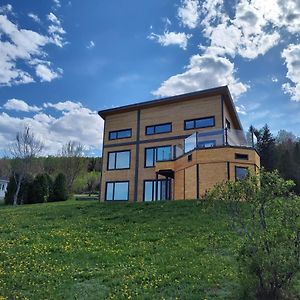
(3, 187)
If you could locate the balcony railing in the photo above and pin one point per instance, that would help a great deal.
(216, 138)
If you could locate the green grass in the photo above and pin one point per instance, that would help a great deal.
(88, 250)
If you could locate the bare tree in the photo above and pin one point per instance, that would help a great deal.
(24, 149)
(73, 162)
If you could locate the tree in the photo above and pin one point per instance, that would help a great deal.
(269, 255)
(25, 148)
(266, 147)
(4, 168)
(73, 162)
(60, 192)
(39, 189)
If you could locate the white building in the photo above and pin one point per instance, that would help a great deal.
(3, 187)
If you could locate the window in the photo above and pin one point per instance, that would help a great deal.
(199, 123)
(160, 128)
(227, 124)
(157, 154)
(118, 160)
(120, 134)
(163, 190)
(241, 156)
(117, 191)
(206, 144)
(240, 173)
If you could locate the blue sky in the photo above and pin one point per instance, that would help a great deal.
(61, 61)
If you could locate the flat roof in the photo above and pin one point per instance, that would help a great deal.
(222, 90)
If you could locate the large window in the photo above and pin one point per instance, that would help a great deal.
(117, 191)
(120, 134)
(118, 160)
(241, 172)
(206, 144)
(163, 192)
(199, 123)
(157, 154)
(159, 128)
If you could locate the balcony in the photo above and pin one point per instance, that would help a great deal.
(216, 138)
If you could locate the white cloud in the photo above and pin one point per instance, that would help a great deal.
(56, 131)
(34, 17)
(203, 72)
(20, 105)
(64, 106)
(23, 45)
(5, 9)
(171, 38)
(46, 74)
(91, 45)
(291, 56)
(57, 3)
(188, 13)
(56, 30)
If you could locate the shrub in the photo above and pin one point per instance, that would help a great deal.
(60, 192)
(10, 191)
(269, 255)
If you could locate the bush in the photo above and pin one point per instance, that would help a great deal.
(269, 255)
(60, 192)
(10, 191)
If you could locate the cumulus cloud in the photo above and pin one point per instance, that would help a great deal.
(189, 13)
(171, 38)
(55, 131)
(5, 9)
(46, 74)
(64, 106)
(23, 45)
(20, 105)
(291, 56)
(56, 30)
(203, 72)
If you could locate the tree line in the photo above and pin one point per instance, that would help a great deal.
(280, 152)
(35, 179)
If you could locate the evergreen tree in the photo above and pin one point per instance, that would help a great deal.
(266, 148)
(10, 191)
(60, 192)
(39, 189)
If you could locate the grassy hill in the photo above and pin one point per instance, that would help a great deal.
(88, 250)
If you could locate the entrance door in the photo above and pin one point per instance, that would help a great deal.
(157, 190)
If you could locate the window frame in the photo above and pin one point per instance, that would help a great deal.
(114, 186)
(153, 181)
(155, 155)
(198, 119)
(116, 132)
(115, 164)
(235, 173)
(157, 125)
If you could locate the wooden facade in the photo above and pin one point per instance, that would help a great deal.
(187, 176)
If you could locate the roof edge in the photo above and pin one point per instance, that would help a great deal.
(217, 90)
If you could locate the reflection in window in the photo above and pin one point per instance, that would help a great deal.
(241, 173)
(157, 154)
(117, 191)
(160, 128)
(199, 123)
(118, 160)
(163, 190)
(120, 134)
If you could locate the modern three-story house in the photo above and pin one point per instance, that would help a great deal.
(174, 148)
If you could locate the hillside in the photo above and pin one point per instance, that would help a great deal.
(88, 250)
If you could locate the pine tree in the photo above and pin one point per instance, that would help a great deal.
(39, 190)
(60, 192)
(266, 148)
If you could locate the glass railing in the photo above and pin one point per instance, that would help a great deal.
(216, 138)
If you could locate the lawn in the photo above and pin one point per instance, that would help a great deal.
(92, 250)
